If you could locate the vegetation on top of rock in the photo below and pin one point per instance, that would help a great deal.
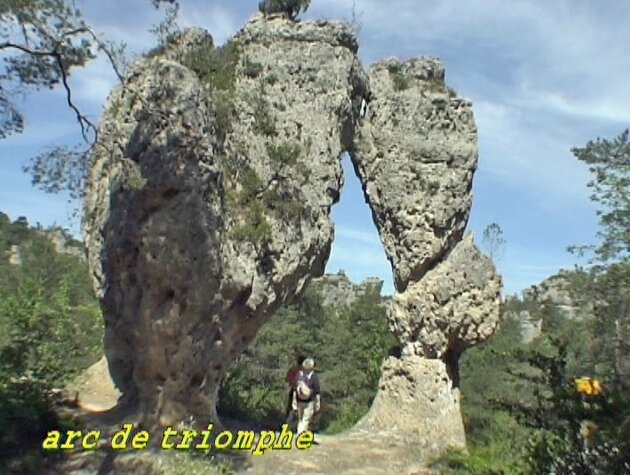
(215, 67)
(42, 43)
(264, 121)
(400, 79)
(291, 8)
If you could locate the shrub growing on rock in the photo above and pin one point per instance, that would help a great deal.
(291, 8)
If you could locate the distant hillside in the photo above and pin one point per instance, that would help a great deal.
(16, 237)
(44, 271)
(561, 295)
(51, 329)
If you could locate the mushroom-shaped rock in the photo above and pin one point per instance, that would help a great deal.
(456, 305)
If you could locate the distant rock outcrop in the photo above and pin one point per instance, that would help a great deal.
(15, 255)
(62, 242)
(554, 294)
(209, 203)
(338, 291)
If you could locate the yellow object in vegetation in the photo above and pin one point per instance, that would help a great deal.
(588, 386)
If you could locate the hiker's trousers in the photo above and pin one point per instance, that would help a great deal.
(305, 413)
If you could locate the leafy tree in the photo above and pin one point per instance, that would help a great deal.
(291, 8)
(496, 440)
(609, 162)
(572, 432)
(526, 393)
(50, 329)
(493, 240)
(42, 42)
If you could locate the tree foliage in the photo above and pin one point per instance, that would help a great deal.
(42, 42)
(609, 162)
(50, 329)
(522, 412)
(348, 344)
(525, 393)
(291, 8)
(493, 240)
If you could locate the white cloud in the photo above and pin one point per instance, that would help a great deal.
(38, 134)
(220, 21)
(534, 157)
(92, 85)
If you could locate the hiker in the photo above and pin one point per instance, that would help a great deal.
(306, 397)
(292, 380)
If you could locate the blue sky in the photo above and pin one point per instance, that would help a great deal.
(542, 76)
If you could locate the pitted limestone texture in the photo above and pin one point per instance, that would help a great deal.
(209, 200)
(208, 207)
(416, 153)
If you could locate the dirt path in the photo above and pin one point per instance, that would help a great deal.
(356, 452)
(353, 453)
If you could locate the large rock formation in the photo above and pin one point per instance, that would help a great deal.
(416, 154)
(209, 200)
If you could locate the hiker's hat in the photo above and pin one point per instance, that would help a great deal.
(308, 364)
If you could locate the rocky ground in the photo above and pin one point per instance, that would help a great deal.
(358, 451)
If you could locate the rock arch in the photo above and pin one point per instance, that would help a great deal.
(209, 200)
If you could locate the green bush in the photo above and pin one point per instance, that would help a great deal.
(264, 122)
(400, 79)
(52, 329)
(517, 395)
(215, 67)
(252, 69)
(284, 154)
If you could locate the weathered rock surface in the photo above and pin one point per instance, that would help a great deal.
(338, 291)
(416, 398)
(416, 154)
(187, 263)
(555, 295)
(556, 292)
(15, 255)
(209, 201)
(531, 327)
(94, 389)
(455, 305)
